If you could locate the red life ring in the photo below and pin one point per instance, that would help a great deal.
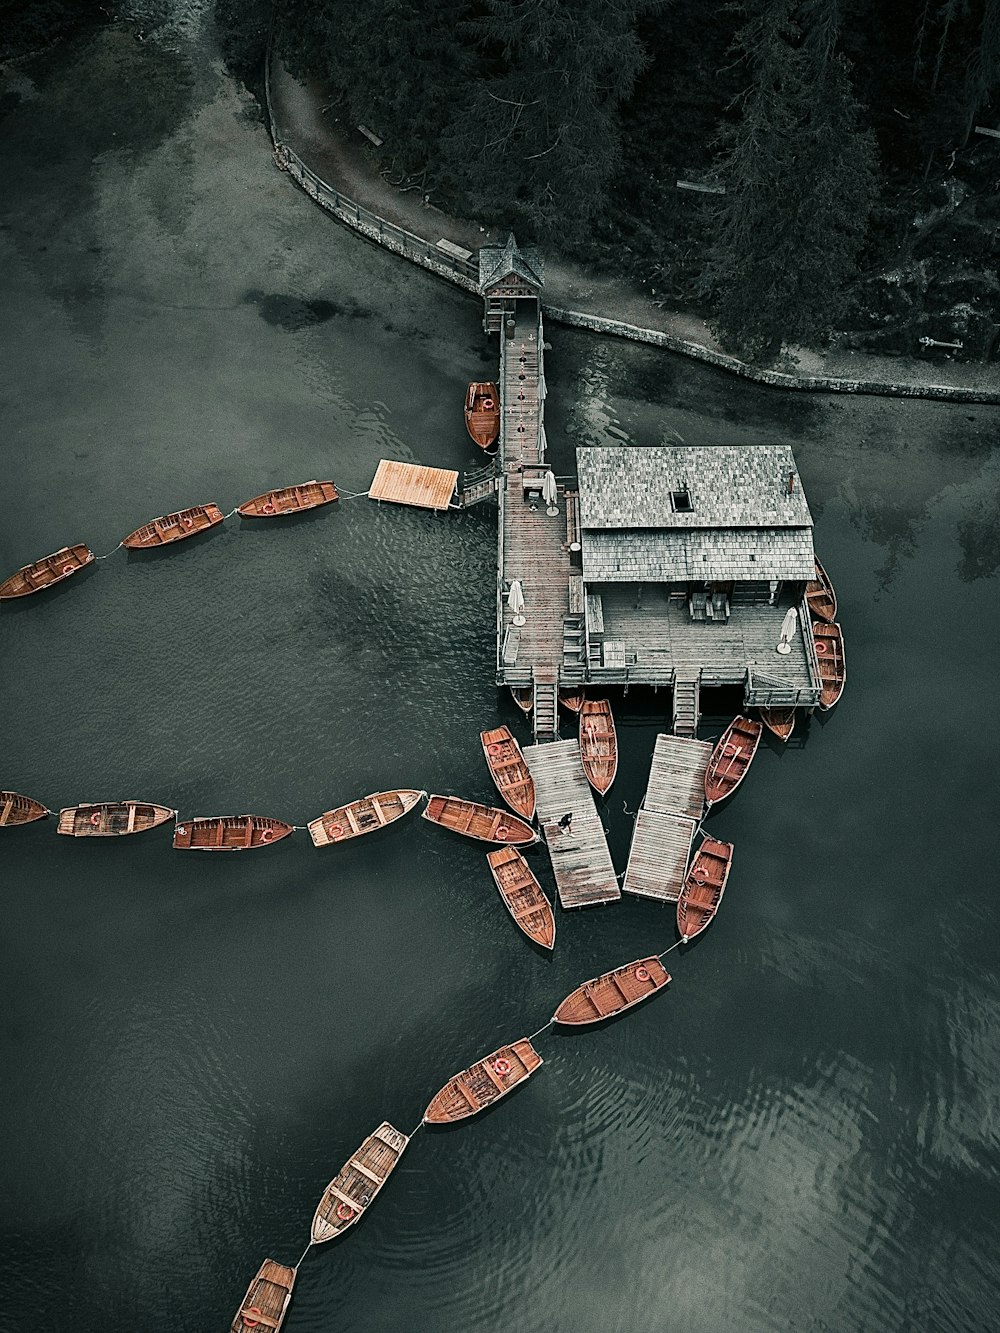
(181, 832)
(245, 1316)
(501, 1067)
(503, 833)
(187, 521)
(68, 569)
(494, 749)
(335, 830)
(269, 508)
(699, 879)
(642, 974)
(95, 818)
(820, 646)
(345, 1212)
(267, 835)
(730, 749)
(487, 404)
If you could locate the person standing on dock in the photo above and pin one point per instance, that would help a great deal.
(567, 822)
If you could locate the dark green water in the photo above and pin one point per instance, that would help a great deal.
(801, 1133)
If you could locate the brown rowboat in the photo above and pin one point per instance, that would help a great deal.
(598, 743)
(506, 762)
(174, 527)
(612, 993)
(229, 833)
(264, 1306)
(821, 597)
(18, 809)
(289, 500)
(110, 819)
(354, 1187)
(523, 696)
(362, 816)
(779, 721)
(703, 888)
(482, 413)
(483, 1084)
(729, 761)
(483, 822)
(523, 895)
(829, 641)
(572, 699)
(44, 573)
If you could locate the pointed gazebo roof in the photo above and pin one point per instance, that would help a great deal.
(498, 262)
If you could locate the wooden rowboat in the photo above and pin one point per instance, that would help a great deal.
(229, 833)
(821, 597)
(289, 500)
(18, 809)
(47, 572)
(111, 819)
(483, 1084)
(264, 1306)
(174, 527)
(572, 699)
(506, 762)
(703, 887)
(362, 816)
(731, 758)
(598, 743)
(523, 895)
(482, 413)
(354, 1187)
(523, 696)
(483, 822)
(779, 721)
(829, 642)
(612, 993)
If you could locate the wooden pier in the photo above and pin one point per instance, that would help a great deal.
(677, 776)
(666, 823)
(581, 861)
(408, 484)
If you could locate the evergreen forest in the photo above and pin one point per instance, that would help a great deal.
(835, 178)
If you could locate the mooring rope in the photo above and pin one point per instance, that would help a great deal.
(111, 552)
(230, 514)
(352, 495)
(670, 950)
(302, 1256)
(540, 1030)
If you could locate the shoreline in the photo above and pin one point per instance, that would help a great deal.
(383, 216)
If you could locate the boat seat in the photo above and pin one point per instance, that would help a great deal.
(251, 1312)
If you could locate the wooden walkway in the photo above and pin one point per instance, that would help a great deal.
(666, 824)
(677, 776)
(408, 484)
(658, 857)
(581, 861)
(533, 545)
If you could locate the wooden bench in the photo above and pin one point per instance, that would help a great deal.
(456, 251)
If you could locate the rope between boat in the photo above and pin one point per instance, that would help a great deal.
(111, 552)
(302, 1255)
(231, 513)
(540, 1030)
(663, 955)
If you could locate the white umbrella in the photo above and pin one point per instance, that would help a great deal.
(515, 600)
(550, 492)
(787, 631)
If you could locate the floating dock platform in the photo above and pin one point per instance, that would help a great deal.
(409, 484)
(581, 861)
(667, 822)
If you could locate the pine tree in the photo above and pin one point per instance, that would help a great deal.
(801, 179)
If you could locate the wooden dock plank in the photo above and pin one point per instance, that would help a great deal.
(581, 861)
(409, 484)
(658, 857)
(677, 776)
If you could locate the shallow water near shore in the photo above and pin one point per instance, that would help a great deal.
(800, 1133)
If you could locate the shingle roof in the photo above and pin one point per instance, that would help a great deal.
(495, 262)
(730, 486)
(686, 555)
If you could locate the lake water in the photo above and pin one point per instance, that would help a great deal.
(801, 1133)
